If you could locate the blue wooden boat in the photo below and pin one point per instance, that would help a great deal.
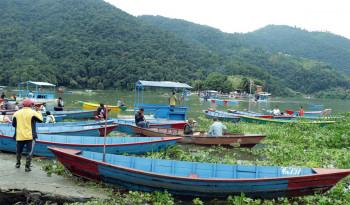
(259, 120)
(95, 130)
(57, 118)
(68, 124)
(74, 114)
(115, 145)
(221, 117)
(308, 113)
(198, 179)
(315, 106)
(160, 110)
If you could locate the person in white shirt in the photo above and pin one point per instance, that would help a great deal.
(216, 128)
(276, 111)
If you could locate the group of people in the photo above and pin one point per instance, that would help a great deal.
(216, 129)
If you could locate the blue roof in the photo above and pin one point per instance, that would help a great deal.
(163, 84)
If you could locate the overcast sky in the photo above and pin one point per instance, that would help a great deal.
(248, 15)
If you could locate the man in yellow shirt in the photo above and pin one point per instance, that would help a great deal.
(24, 121)
(172, 100)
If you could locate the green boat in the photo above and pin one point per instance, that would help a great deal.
(266, 120)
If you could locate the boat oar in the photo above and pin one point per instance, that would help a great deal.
(104, 144)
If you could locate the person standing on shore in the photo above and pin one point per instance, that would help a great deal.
(24, 122)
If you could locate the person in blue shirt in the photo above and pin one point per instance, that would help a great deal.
(216, 128)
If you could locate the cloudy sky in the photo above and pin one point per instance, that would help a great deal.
(248, 15)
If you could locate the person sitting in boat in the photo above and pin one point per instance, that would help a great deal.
(60, 105)
(3, 95)
(6, 105)
(121, 103)
(43, 107)
(101, 112)
(13, 97)
(140, 119)
(50, 118)
(189, 128)
(301, 113)
(217, 128)
(30, 94)
(172, 100)
(16, 106)
(276, 111)
(4, 118)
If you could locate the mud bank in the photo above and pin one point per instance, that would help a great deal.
(16, 185)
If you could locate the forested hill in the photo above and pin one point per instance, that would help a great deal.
(92, 44)
(297, 73)
(321, 46)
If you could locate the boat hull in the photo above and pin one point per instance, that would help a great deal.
(276, 121)
(197, 179)
(132, 147)
(93, 106)
(201, 138)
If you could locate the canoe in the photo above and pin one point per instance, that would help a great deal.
(265, 120)
(91, 106)
(249, 113)
(75, 114)
(115, 145)
(198, 179)
(315, 106)
(201, 137)
(68, 124)
(221, 117)
(94, 131)
(308, 113)
(57, 118)
(280, 117)
(226, 102)
(124, 125)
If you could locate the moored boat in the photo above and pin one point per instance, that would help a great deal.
(115, 145)
(201, 137)
(249, 113)
(196, 178)
(277, 121)
(91, 106)
(221, 116)
(72, 131)
(308, 113)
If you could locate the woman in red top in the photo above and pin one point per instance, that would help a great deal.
(301, 113)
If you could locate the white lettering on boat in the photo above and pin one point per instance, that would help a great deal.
(290, 170)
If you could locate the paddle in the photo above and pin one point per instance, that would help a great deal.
(104, 145)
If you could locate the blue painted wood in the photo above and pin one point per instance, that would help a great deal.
(115, 145)
(57, 117)
(148, 182)
(64, 130)
(81, 114)
(124, 125)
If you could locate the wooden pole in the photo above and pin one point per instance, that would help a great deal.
(104, 144)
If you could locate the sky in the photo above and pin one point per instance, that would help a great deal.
(244, 16)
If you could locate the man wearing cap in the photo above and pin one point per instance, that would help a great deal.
(25, 133)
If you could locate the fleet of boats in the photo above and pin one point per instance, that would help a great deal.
(81, 148)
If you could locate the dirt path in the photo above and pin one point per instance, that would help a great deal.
(19, 186)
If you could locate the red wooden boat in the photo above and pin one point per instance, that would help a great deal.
(201, 137)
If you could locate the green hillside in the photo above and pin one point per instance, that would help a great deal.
(321, 46)
(299, 74)
(92, 44)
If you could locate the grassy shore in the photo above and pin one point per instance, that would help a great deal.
(285, 145)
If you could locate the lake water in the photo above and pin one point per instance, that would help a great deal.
(196, 106)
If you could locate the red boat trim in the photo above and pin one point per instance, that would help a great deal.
(343, 172)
